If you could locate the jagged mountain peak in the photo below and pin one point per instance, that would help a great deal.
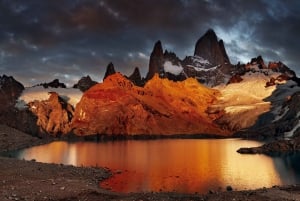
(85, 83)
(136, 77)
(156, 60)
(208, 47)
(53, 84)
(110, 69)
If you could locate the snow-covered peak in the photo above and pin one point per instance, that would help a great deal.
(171, 68)
(39, 93)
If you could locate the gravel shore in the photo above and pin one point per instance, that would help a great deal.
(30, 180)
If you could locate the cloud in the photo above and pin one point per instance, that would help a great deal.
(76, 38)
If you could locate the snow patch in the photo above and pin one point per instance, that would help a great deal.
(174, 69)
(291, 133)
(39, 93)
(200, 60)
(279, 113)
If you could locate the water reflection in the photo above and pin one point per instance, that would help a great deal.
(172, 165)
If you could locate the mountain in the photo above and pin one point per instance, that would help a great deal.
(210, 64)
(10, 90)
(84, 83)
(118, 107)
(253, 99)
(209, 48)
(136, 78)
(255, 96)
(110, 70)
(53, 115)
(156, 61)
(53, 84)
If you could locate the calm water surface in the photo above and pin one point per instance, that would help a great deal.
(189, 165)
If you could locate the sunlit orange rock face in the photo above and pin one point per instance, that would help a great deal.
(116, 106)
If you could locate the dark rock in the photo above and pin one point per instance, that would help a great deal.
(259, 61)
(278, 146)
(136, 78)
(110, 70)
(84, 83)
(229, 188)
(208, 47)
(54, 84)
(235, 79)
(156, 61)
(23, 120)
(10, 90)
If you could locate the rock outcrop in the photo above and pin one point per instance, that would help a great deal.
(84, 83)
(53, 84)
(136, 78)
(275, 147)
(156, 61)
(209, 48)
(118, 107)
(53, 115)
(110, 70)
(210, 64)
(10, 90)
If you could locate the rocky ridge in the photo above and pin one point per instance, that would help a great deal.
(237, 104)
(84, 83)
(117, 106)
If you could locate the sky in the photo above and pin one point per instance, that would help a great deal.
(41, 40)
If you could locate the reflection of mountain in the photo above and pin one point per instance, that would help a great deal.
(288, 162)
(170, 100)
(181, 165)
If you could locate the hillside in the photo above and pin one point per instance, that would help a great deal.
(162, 106)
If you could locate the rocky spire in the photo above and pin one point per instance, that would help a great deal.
(223, 51)
(110, 69)
(209, 48)
(85, 83)
(156, 60)
(136, 77)
(10, 90)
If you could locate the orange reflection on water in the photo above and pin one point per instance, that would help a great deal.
(168, 165)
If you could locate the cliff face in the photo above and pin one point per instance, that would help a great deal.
(156, 61)
(53, 115)
(209, 48)
(10, 90)
(117, 106)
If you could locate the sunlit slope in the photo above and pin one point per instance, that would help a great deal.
(244, 102)
(162, 106)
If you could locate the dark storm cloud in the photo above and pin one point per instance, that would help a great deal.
(43, 40)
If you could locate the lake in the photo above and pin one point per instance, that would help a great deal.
(181, 165)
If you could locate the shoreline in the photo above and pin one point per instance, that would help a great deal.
(31, 180)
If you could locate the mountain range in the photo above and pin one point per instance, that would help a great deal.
(200, 94)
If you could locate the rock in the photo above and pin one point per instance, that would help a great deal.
(84, 83)
(54, 84)
(229, 188)
(277, 146)
(10, 90)
(158, 108)
(209, 48)
(110, 70)
(259, 61)
(235, 79)
(53, 115)
(136, 78)
(156, 61)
